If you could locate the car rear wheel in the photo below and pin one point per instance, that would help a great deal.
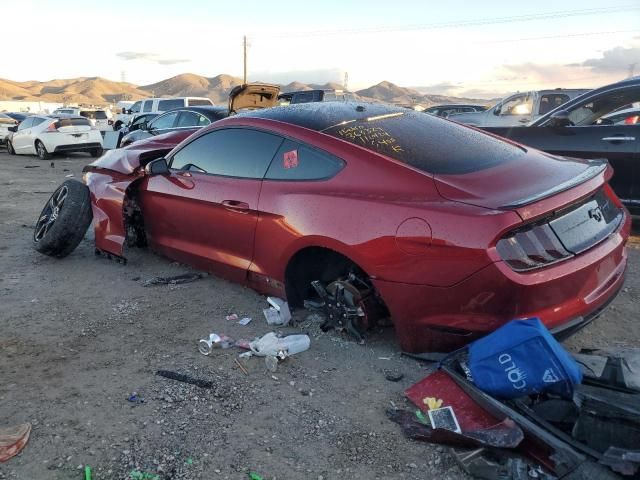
(10, 148)
(64, 220)
(41, 151)
(96, 152)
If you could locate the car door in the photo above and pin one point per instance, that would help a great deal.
(591, 137)
(204, 211)
(22, 140)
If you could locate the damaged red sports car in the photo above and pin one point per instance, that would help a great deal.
(369, 211)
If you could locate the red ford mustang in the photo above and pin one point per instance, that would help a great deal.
(368, 210)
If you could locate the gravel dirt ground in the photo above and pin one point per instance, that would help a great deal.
(79, 335)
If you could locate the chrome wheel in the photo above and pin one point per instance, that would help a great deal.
(41, 151)
(50, 213)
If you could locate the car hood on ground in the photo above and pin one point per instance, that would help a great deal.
(514, 184)
(253, 96)
(128, 159)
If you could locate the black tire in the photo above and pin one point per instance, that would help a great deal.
(10, 148)
(41, 151)
(96, 152)
(64, 220)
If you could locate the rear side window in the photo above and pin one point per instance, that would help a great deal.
(72, 122)
(295, 161)
(37, 121)
(199, 102)
(427, 143)
(233, 152)
(28, 123)
(164, 105)
(550, 101)
(192, 119)
(148, 105)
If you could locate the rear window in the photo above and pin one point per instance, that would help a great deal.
(427, 143)
(164, 105)
(96, 115)
(195, 102)
(72, 122)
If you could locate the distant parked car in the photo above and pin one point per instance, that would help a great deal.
(101, 119)
(156, 105)
(44, 135)
(66, 111)
(17, 116)
(6, 122)
(180, 118)
(308, 96)
(519, 108)
(451, 108)
(598, 124)
(242, 97)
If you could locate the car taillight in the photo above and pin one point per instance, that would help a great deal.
(534, 247)
(51, 128)
(632, 120)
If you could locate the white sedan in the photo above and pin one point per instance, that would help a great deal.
(44, 135)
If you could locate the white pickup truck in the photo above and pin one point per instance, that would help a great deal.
(519, 109)
(156, 105)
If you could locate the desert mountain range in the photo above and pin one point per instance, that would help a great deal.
(96, 90)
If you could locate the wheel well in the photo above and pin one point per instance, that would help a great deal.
(314, 263)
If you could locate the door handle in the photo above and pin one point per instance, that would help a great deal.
(235, 204)
(619, 139)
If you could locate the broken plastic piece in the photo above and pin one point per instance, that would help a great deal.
(626, 462)
(245, 321)
(206, 345)
(444, 418)
(13, 439)
(278, 313)
(233, 316)
(481, 463)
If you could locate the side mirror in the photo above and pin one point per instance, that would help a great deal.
(157, 167)
(13, 128)
(124, 110)
(560, 119)
(497, 110)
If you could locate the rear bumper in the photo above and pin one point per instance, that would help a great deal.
(565, 296)
(80, 147)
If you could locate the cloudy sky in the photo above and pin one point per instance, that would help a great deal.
(455, 47)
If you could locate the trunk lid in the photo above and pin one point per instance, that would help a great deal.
(73, 125)
(253, 96)
(531, 184)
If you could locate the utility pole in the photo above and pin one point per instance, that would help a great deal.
(244, 47)
(345, 83)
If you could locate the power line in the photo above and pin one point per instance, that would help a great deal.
(566, 35)
(461, 23)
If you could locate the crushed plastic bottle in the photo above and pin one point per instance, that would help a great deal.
(206, 345)
(274, 346)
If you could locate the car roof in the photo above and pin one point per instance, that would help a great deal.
(322, 115)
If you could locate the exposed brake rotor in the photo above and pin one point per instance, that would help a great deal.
(348, 304)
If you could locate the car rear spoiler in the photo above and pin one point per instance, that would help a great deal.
(595, 168)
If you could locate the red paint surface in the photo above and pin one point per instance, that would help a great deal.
(433, 260)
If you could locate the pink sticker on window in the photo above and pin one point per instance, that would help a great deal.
(290, 159)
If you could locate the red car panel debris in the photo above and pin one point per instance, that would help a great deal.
(449, 231)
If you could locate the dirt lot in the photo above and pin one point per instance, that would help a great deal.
(80, 335)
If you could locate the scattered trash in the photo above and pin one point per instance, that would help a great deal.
(272, 345)
(138, 475)
(615, 367)
(245, 321)
(522, 358)
(135, 398)
(432, 403)
(189, 461)
(180, 377)
(271, 362)
(32, 166)
(254, 476)
(278, 313)
(69, 176)
(13, 439)
(174, 280)
(233, 316)
(244, 370)
(206, 345)
(481, 463)
(444, 418)
(623, 461)
(393, 376)
(87, 472)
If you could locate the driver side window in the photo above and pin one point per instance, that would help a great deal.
(135, 108)
(232, 152)
(518, 105)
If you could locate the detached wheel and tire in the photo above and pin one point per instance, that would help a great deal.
(41, 151)
(10, 148)
(64, 220)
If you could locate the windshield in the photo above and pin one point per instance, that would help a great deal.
(427, 143)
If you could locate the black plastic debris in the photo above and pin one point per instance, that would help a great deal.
(174, 280)
(180, 377)
(623, 461)
(492, 465)
(617, 368)
(505, 434)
